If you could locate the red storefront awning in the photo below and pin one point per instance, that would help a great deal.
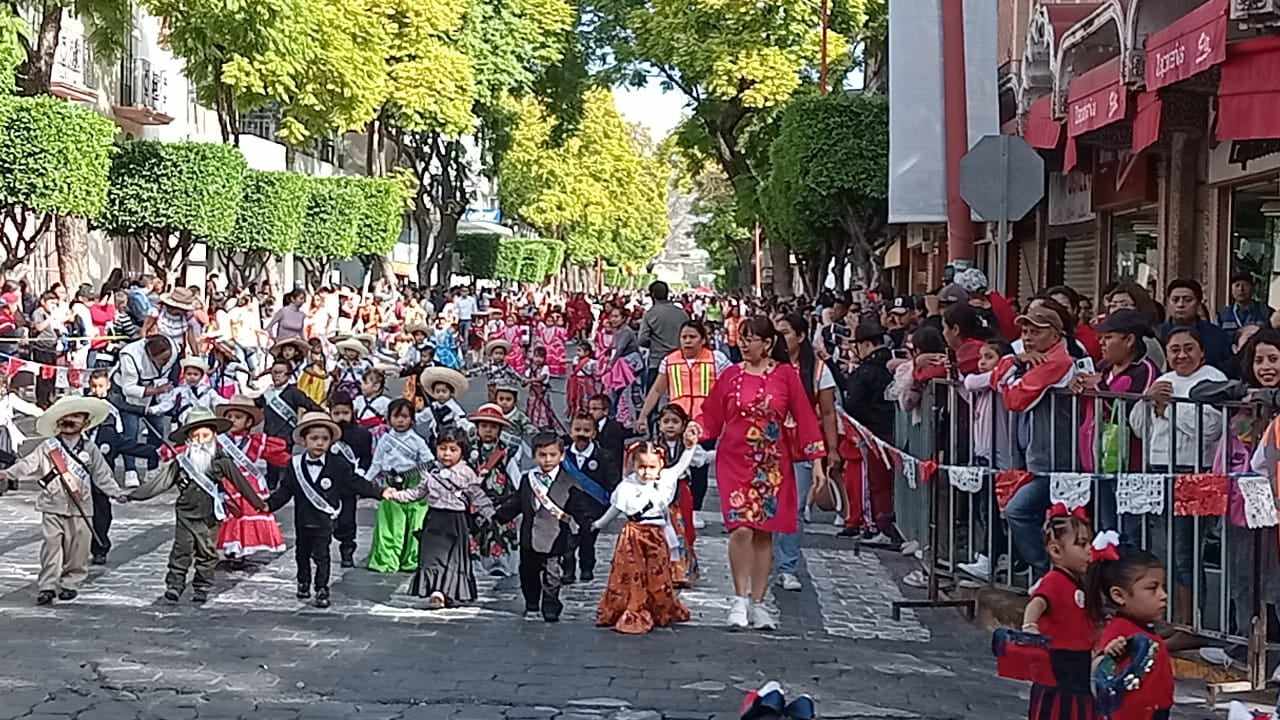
(1249, 92)
(1146, 122)
(1096, 99)
(1190, 45)
(1042, 131)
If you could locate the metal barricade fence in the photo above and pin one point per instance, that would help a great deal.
(1223, 578)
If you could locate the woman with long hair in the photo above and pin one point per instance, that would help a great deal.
(755, 471)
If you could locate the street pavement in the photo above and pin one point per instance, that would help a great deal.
(119, 651)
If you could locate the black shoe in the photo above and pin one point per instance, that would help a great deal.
(67, 595)
(98, 560)
(850, 532)
(322, 598)
(587, 576)
(200, 597)
(172, 596)
(551, 618)
(348, 559)
(304, 592)
(13, 485)
(44, 597)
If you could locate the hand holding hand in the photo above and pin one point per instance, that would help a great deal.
(387, 492)
(1115, 648)
(641, 426)
(691, 436)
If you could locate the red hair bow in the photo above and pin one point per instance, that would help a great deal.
(1059, 510)
(1105, 547)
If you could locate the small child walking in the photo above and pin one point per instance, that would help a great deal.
(1057, 611)
(640, 594)
(672, 423)
(539, 381)
(397, 463)
(583, 380)
(453, 491)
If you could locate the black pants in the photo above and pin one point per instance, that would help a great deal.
(698, 485)
(540, 583)
(313, 547)
(44, 387)
(584, 556)
(101, 523)
(344, 528)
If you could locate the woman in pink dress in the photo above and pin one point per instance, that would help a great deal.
(552, 335)
(745, 412)
(518, 335)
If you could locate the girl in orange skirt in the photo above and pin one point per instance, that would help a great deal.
(640, 594)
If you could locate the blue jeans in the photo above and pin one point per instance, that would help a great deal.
(1025, 513)
(132, 430)
(786, 548)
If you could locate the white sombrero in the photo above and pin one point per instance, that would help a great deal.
(298, 343)
(243, 404)
(504, 344)
(433, 375)
(354, 346)
(96, 409)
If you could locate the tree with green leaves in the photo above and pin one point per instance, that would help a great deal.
(165, 196)
(827, 192)
(15, 35)
(107, 24)
(383, 202)
(268, 224)
(54, 160)
(333, 214)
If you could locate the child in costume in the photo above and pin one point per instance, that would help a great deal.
(552, 337)
(443, 412)
(417, 355)
(539, 381)
(553, 507)
(640, 594)
(66, 467)
(583, 381)
(1057, 611)
(314, 379)
(453, 491)
(371, 404)
(596, 472)
(194, 391)
(356, 445)
(398, 463)
(293, 351)
(11, 438)
(200, 470)
(315, 482)
(1126, 589)
(672, 422)
(496, 370)
(517, 336)
(446, 342)
(496, 460)
(507, 398)
(609, 432)
(250, 531)
(353, 362)
(108, 436)
(282, 403)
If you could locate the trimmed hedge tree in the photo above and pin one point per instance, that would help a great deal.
(268, 223)
(478, 255)
(330, 226)
(55, 159)
(168, 195)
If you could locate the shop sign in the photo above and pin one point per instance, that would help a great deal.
(1096, 99)
(1122, 179)
(1192, 44)
(1070, 198)
(1240, 159)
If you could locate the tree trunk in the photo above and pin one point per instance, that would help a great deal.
(373, 154)
(422, 223)
(783, 287)
(38, 75)
(72, 242)
(20, 234)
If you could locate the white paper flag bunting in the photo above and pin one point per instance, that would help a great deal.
(1070, 489)
(909, 471)
(61, 380)
(966, 479)
(1259, 501)
(1140, 493)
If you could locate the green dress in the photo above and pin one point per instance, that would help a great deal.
(395, 532)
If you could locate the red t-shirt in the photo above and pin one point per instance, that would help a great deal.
(1156, 690)
(1065, 623)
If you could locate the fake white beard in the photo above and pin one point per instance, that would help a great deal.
(201, 455)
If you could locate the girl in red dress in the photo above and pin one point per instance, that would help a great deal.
(584, 380)
(1128, 587)
(755, 459)
(249, 531)
(1057, 611)
(553, 336)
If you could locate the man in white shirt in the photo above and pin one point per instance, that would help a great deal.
(141, 376)
(465, 305)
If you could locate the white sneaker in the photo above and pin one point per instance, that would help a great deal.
(698, 522)
(980, 568)
(837, 521)
(789, 582)
(762, 619)
(131, 479)
(806, 515)
(738, 613)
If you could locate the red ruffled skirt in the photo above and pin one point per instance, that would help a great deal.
(251, 532)
(640, 595)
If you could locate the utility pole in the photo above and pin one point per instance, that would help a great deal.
(960, 228)
(822, 67)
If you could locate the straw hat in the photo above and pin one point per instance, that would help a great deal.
(354, 346)
(199, 417)
(244, 404)
(433, 375)
(198, 363)
(417, 328)
(47, 423)
(316, 419)
(180, 298)
(490, 413)
(298, 344)
(489, 346)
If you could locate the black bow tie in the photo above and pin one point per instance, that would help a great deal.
(316, 463)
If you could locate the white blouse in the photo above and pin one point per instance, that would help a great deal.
(398, 452)
(649, 500)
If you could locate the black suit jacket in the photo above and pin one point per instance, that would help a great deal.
(360, 440)
(577, 504)
(342, 480)
(600, 467)
(611, 438)
(276, 426)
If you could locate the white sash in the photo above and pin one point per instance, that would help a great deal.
(542, 494)
(199, 478)
(345, 450)
(248, 468)
(281, 408)
(407, 451)
(75, 465)
(315, 498)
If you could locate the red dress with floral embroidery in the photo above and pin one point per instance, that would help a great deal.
(754, 457)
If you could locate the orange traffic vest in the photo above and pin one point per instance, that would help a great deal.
(689, 385)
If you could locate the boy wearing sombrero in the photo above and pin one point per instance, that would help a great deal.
(353, 362)
(443, 385)
(200, 470)
(252, 531)
(315, 482)
(194, 391)
(66, 466)
(496, 370)
(496, 459)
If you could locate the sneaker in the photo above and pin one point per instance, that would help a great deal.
(789, 582)
(436, 601)
(837, 521)
(762, 618)
(348, 560)
(98, 560)
(304, 592)
(172, 596)
(980, 568)
(532, 615)
(699, 523)
(910, 547)
(322, 598)
(916, 579)
(199, 597)
(738, 613)
(44, 597)
(131, 479)
(67, 594)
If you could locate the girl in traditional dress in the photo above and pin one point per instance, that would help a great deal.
(353, 362)
(518, 335)
(552, 335)
(454, 491)
(620, 366)
(446, 342)
(672, 423)
(539, 401)
(314, 381)
(640, 594)
(583, 379)
(397, 463)
(497, 461)
(754, 461)
(250, 531)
